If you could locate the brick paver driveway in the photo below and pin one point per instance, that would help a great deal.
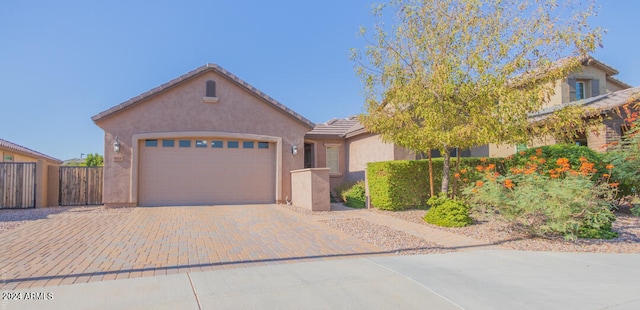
(76, 247)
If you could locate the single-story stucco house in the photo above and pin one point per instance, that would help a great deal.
(209, 137)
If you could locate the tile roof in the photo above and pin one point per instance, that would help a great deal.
(21, 149)
(206, 68)
(334, 128)
(603, 103)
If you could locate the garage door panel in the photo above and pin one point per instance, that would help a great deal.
(187, 176)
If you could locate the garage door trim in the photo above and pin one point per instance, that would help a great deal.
(202, 134)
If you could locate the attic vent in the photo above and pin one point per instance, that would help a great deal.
(210, 96)
(211, 88)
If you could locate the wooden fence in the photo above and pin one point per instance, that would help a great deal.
(17, 185)
(80, 186)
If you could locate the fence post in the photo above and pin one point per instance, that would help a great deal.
(41, 187)
(53, 185)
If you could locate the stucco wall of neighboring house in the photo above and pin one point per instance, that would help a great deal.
(181, 109)
(17, 157)
(611, 87)
(558, 94)
(542, 141)
(590, 73)
(562, 89)
(501, 150)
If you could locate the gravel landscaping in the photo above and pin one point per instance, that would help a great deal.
(14, 218)
(497, 232)
(388, 239)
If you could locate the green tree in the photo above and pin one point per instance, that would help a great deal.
(461, 73)
(93, 160)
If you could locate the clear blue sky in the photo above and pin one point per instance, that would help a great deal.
(63, 61)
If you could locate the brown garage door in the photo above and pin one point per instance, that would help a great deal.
(206, 171)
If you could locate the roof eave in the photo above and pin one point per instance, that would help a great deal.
(312, 136)
(18, 149)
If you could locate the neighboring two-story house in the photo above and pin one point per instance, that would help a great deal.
(594, 87)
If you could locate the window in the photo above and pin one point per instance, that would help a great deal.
(185, 143)
(8, 157)
(211, 88)
(168, 143)
(201, 143)
(580, 90)
(151, 142)
(581, 139)
(247, 144)
(263, 145)
(232, 144)
(216, 144)
(333, 162)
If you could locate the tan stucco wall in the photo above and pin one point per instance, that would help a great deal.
(17, 157)
(363, 149)
(181, 109)
(53, 185)
(401, 153)
(588, 73)
(561, 89)
(542, 141)
(310, 189)
(611, 87)
(501, 150)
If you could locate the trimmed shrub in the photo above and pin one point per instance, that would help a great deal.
(402, 184)
(354, 197)
(447, 212)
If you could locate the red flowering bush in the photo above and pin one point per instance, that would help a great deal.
(548, 199)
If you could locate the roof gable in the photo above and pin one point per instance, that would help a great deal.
(27, 151)
(190, 75)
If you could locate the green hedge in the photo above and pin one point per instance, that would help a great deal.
(402, 184)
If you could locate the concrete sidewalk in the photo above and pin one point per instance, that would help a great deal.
(486, 279)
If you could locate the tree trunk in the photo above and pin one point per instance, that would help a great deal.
(430, 173)
(445, 170)
(455, 180)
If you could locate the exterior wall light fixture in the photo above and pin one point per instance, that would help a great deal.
(116, 145)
